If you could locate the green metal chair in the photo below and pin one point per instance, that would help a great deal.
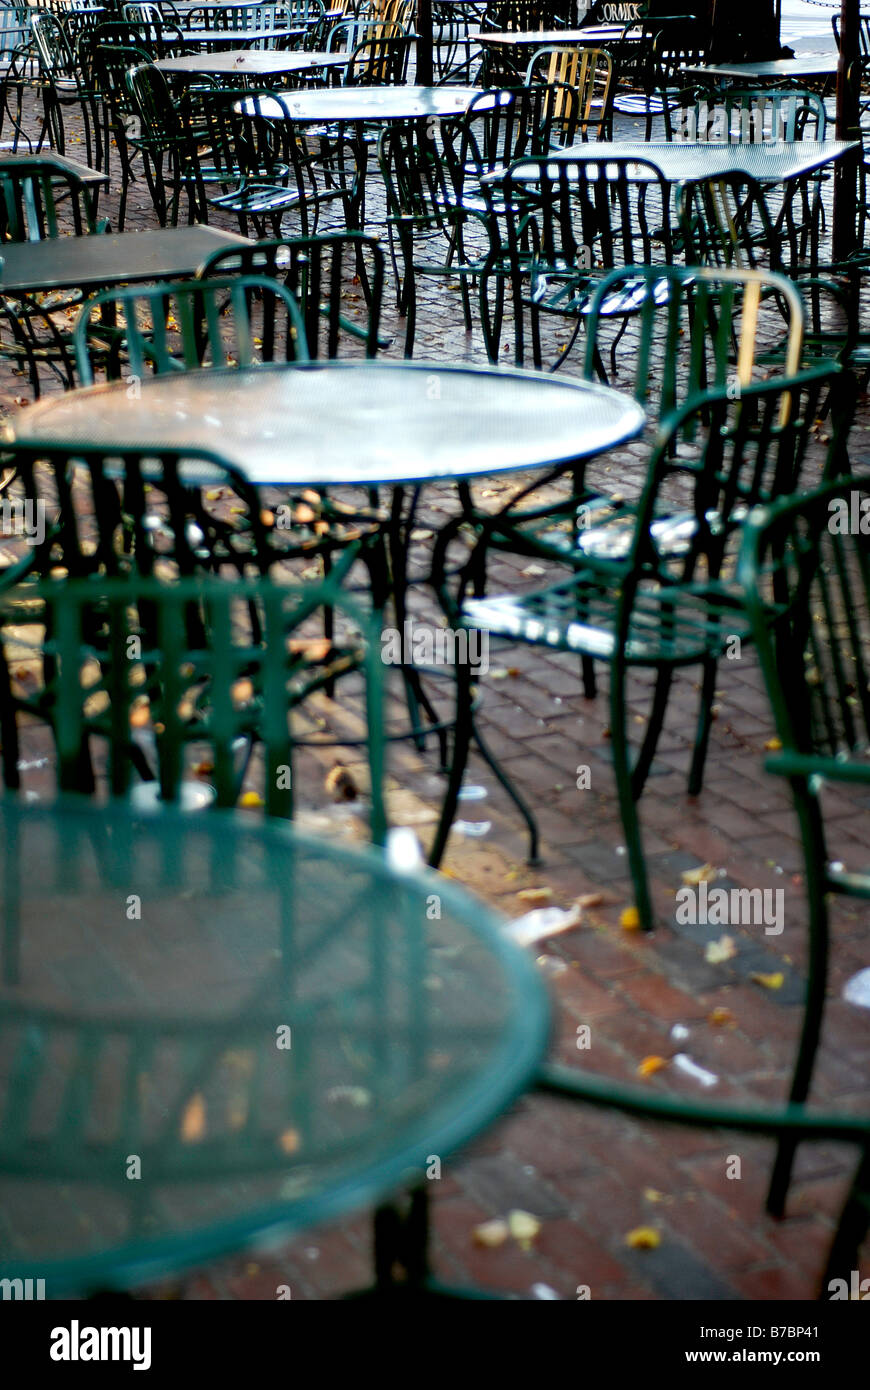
(163, 672)
(237, 321)
(319, 272)
(726, 221)
(663, 595)
(568, 221)
(41, 200)
(805, 571)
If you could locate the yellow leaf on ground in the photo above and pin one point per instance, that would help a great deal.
(719, 951)
(774, 981)
(705, 874)
(643, 1238)
(251, 800)
(650, 1065)
(721, 1017)
(491, 1234)
(773, 745)
(629, 919)
(193, 1120)
(523, 1227)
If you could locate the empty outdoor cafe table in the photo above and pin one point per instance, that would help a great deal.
(122, 258)
(801, 68)
(361, 104)
(236, 38)
(251, 62)
(355, 423)
(253, 1048)
(359, 424)
(679, 160)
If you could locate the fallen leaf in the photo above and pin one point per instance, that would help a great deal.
(643, 1238)
(773, 745)
(242, 691)
(721, 1018)
(774, 981)
(705, 874)
(340, 784)
(590, 900)
(651, 1194)
(652, 1064)
(193, 1120)
(491, 1233)
(719, 951)
(629, 919)
(523, 1227)
(535, 895)
(251, 800)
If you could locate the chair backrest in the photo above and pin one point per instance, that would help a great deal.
(754, 447)
(805, 567)
(579, 212)
(153, 104)
(40, 199)
(863, 32)
(238, 321)
(736, 117)
(725, 221)
(502, 125)
(55, 54)
(112, 62)
(380, 60)
(589, 72)
(691, 330)
(165, 673)
(322, 274)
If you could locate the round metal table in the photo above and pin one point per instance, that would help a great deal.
(397, 103)
(215, 1031)
(356, 423)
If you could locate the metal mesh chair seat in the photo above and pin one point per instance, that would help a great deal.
(674, 624)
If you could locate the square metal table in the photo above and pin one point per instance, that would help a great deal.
(93, 178)
(680, 160)
(597, 36)
(93, 262)
(802, 66)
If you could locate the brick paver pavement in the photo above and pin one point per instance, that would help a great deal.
(590, 1177)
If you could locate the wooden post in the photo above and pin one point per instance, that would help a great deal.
(425, 68)
(848, 128)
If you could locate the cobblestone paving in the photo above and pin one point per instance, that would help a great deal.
(588, 1176)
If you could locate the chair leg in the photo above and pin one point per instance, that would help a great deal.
(705, 723)
(817, 980)
(852, 1228)
(522, 807)
(627, 803)
(461, 741)
(642, 765)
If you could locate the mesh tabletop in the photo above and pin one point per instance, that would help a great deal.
(775, 70)
(235, 38)
(678, 160)
(72, 166)
(89, 262)
(283, 1032)
(362, 103)
(349, 423)
(605, 34)
(258, 62)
